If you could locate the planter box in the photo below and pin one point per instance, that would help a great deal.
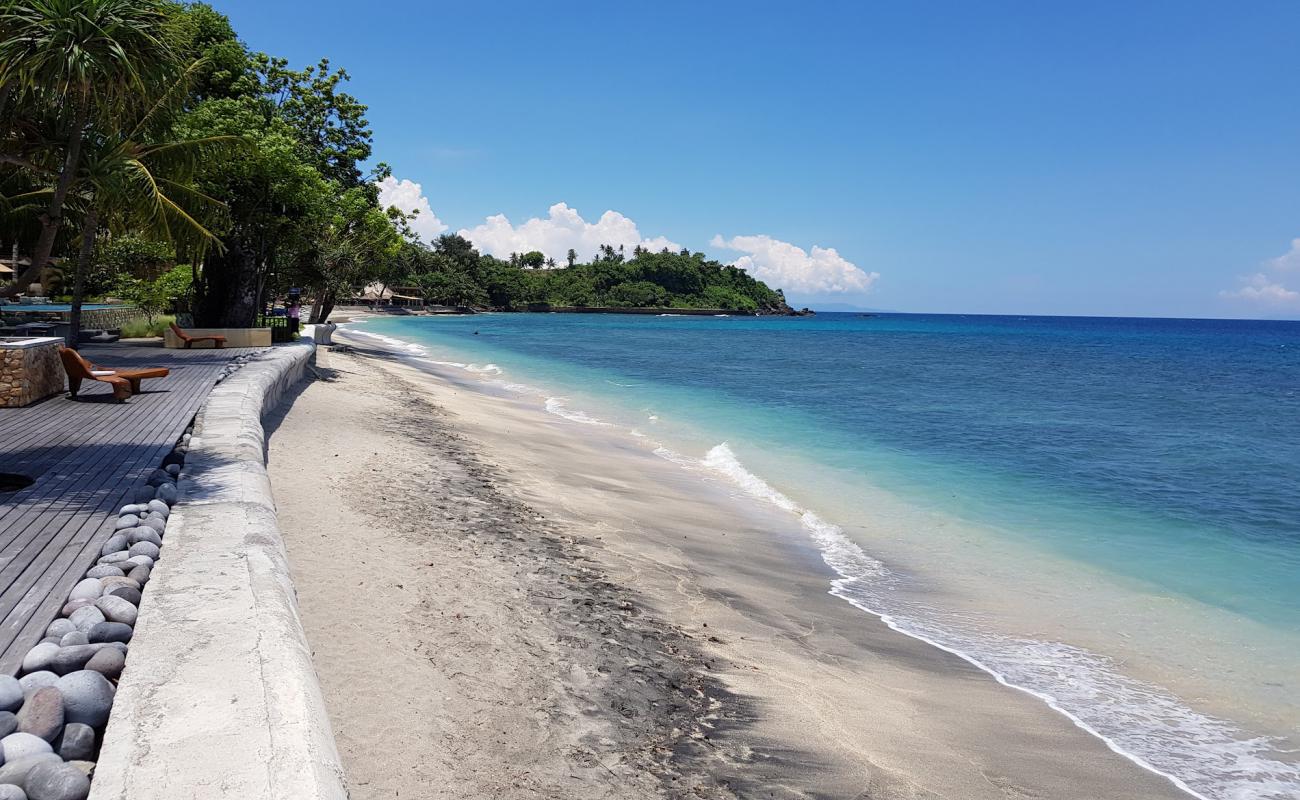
(29, 370)
(235, 337)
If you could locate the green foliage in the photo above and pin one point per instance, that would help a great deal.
(153, 297)
(126, 256)
(453, 273)
(143, 328)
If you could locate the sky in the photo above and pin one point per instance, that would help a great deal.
(1134, 159)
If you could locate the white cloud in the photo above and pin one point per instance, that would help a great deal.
(1288, 261)
(1259, 288)
(786, 266)
(562, 229)
(409, 197)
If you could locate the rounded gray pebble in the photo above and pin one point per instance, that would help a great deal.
(143, 494)
(50, 781)
(77, 742)
(37, 680)
(86, 617)
(8, 723)
(113, 583)
(157, 523)
(39, 657)
(75, 637)
(145, 549)
(11, 693)
(10, 792)
(116, 543)
(59, 627)
(128, 594)
(106, 632)
(116, 609)
(114, 558)
(159, 507)
(144, 535)
(14, 772)
(70, 607)
(141, 561)
(17, 746)
(87, 589)
(126, 521)
(108, 662)
(87, 698)
(72, 658)
(167, 493)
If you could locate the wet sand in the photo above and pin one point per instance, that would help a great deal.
(505, 603)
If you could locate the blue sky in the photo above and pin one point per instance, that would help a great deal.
(1006, 157)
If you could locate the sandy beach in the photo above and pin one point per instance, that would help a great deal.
(503, 603)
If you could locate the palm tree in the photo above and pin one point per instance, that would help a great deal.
(83, 64)
(573, 256)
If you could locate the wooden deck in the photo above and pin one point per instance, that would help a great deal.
(86, 456)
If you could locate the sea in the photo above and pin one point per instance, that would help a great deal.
(1102, 512)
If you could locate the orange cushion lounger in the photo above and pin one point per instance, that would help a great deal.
(125, 382)
(217, 341)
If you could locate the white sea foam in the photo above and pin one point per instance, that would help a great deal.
(556, 406)
(1204, 756)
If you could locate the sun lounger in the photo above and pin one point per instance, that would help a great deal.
(217, 341)
(125, 382)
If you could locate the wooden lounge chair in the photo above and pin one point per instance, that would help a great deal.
(217, 341)
(125, 382)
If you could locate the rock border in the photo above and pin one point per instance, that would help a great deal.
(220, 697)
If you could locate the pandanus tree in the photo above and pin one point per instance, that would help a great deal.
(76, 66)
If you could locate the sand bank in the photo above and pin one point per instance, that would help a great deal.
(505, 603)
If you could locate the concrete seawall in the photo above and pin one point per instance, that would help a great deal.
(220, 698)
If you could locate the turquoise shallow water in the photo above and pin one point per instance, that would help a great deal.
(1102, 511)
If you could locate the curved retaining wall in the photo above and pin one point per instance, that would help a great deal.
(220, 698)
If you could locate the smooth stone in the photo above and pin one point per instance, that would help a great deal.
(112, 583)
(50, 781)
(70, 607)
(87, 617)
(87, 698)
(37, 680)
(107, 632)
(127, 521)
(17, 746)
(77, 742)
(75, 637)
(116, 609)
(87, 767)
(149, 535)
(59, 627)
(72, 658)
(11, 693)
(52, 640)
(145, 549)
(174, 457)
(143, 494)
(8, 723)
(10, 792)
(14, 772)
(86, 589)
(116, 543)
(113, 559)
(173, 469)
(108, 662)
(42, 714)
(104, 571)
(168, 494)
(158, 477)
(39, 658)
(141, 561)
(160, 507)
(128, 509)
(157, 523)
(128, 594)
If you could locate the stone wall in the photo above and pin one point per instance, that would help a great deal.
(29, 374)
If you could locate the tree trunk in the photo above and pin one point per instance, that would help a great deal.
(316, 306)
(89, 227)
(327, 305)
(52, 218)
(228, 296)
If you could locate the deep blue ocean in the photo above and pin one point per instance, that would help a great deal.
(1105, 512)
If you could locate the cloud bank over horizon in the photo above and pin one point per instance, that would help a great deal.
(790, 267)
(561, 230)
(409, 197)
(1268, 290)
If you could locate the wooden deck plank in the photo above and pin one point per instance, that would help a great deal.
(87, 457)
